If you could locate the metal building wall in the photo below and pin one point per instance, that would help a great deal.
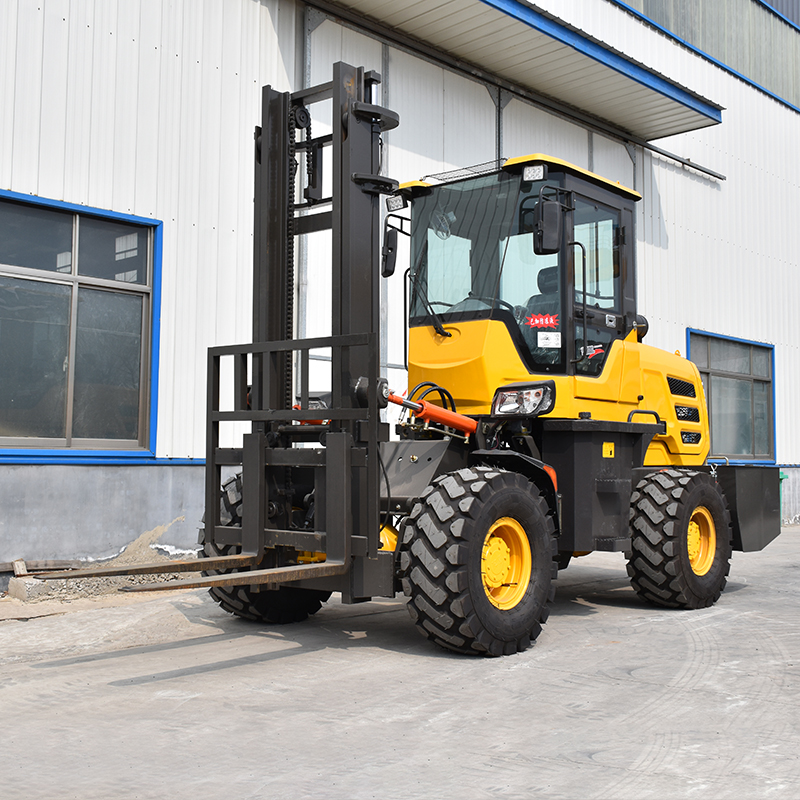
(147, 107)
(717, 256)
(745, 35)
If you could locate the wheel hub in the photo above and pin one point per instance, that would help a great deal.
(496, 560)
(701, 540)
(506, 563)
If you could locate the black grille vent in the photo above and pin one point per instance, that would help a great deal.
(687, 413)
(682, 388)
(690, 437)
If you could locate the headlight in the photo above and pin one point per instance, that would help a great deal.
(524, 400)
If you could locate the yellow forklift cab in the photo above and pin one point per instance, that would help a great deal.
(474, 270)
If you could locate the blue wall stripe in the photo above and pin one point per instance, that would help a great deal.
(155, 344)
(98, 458)
(618, 63)
(707, 57)
(778, 14)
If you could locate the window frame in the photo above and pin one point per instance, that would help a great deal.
(93, 451)
(707, 372)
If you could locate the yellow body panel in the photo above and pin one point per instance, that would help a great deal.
(480, 356)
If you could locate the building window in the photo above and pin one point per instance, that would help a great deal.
(737, 378)
(75, 312)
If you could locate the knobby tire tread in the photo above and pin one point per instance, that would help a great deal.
(434, 555)
(282, 606)
(658, 563)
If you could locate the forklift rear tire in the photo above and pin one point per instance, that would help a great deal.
(477, 561)
(277, 606)
(680, 539)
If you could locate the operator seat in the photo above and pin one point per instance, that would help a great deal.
(546, 303)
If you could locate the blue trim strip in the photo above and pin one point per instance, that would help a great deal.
(98, 458)
(739, 462)
(75, 208)
(706, 56)
(778, 14)
(726, 337)
(765, 345)
(155, 333)
(13, 455)
(597, 52)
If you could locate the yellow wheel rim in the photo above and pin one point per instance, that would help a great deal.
(701, 540)
(506, 563)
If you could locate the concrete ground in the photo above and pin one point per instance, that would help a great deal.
(166, 696)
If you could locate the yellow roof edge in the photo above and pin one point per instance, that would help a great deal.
(558, 162)
(413, 184)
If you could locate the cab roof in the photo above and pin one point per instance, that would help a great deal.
(515, 164)
(560, 165)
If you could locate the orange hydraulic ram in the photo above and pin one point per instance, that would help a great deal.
(428, 412)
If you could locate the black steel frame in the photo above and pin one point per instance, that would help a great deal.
(346, 467)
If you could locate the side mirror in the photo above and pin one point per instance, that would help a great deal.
(388, 251)
(547, 227)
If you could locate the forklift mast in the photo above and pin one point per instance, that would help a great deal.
(281, 467)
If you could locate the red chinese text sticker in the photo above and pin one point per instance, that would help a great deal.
(542, 321)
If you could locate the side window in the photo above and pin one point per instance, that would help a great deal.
(737, 379)
(596, 228)
(75, 310)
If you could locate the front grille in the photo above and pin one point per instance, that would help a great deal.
(681, 387)
(687, 413)
(690, 437)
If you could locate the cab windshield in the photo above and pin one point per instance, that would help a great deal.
(472, 258)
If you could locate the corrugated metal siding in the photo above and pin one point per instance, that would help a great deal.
(742, 34)
(147, 107)
(789, 8)
(527, 129)
(721, 257)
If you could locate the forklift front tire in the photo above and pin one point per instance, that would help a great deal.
(477, 561)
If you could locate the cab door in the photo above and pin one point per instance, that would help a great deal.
(603, 292)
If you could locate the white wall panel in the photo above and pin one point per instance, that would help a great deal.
(611, 160)
(527, 129)
(126, 105)
(77, 143)
(8, 71)
(53, 99)
(103, 104)
(27, 97)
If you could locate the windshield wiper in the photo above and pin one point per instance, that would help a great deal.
(423, 295)
(434, 317)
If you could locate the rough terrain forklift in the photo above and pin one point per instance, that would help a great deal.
(537, 426)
